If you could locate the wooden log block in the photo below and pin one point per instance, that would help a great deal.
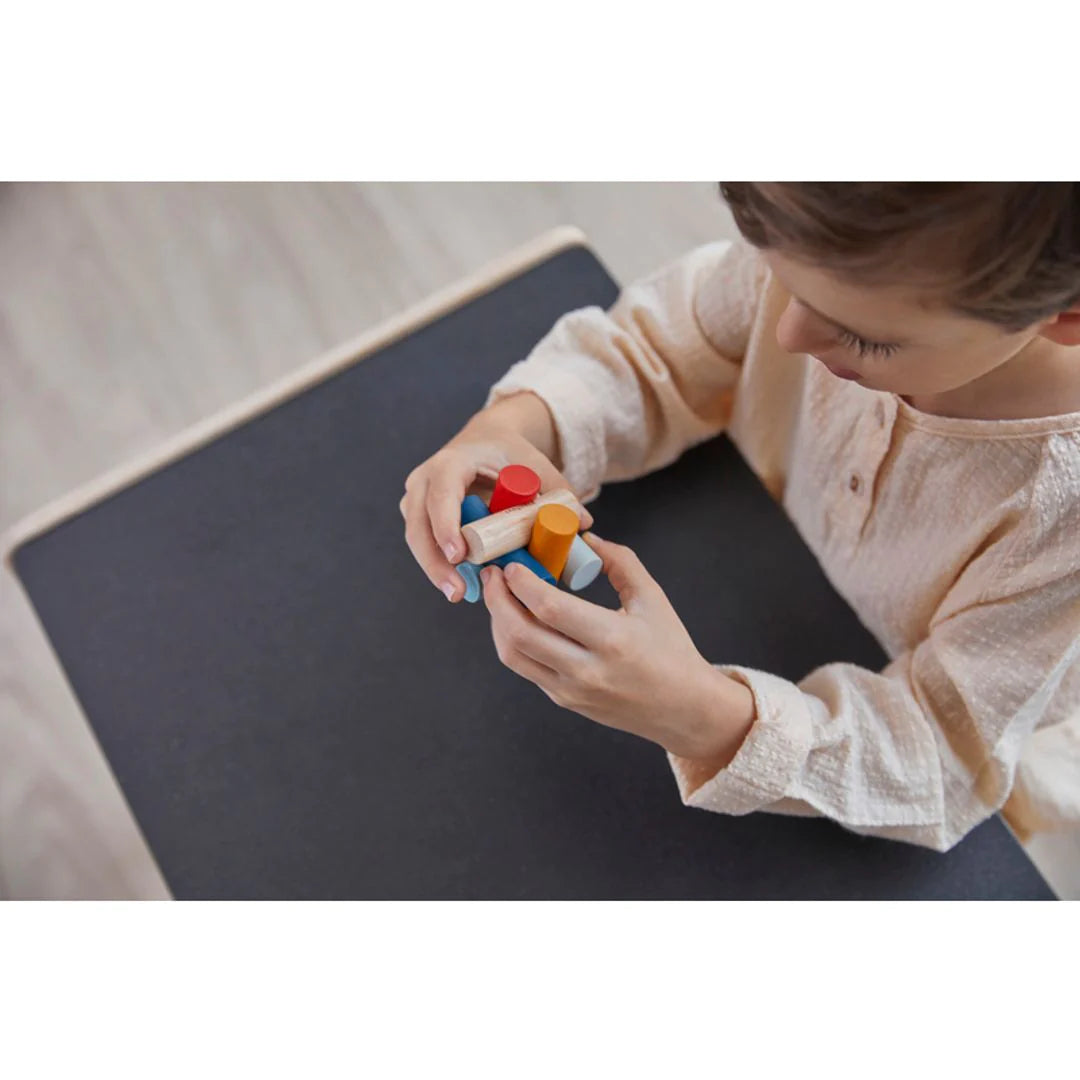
(508, 530)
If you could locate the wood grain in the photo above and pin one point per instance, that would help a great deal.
(511, 529)
(295, 382)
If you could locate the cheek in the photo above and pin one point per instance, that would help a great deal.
(959, 366)
(795, 333)
(785, 331)
(935, 371)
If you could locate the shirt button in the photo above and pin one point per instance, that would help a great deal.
(855, 483)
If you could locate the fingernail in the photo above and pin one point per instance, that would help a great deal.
(448, 591)
(450, 551)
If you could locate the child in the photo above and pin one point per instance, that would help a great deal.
(900, 365)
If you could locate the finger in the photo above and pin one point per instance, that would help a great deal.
(425, 551)
(482, 486)
(522, 632)
(446, 488)
(626, 572)
(526, 666)
(586, 517)
(587, 624)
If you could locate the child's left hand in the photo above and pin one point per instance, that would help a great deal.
(636, 669)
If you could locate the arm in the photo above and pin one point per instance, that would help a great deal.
(924, 750)
(526, 415)
(630, 389)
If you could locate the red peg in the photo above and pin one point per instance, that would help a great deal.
(516, 486)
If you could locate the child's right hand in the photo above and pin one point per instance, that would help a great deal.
(515, 431)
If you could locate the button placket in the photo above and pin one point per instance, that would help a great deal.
(874, 435)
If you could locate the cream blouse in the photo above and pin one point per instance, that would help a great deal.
(957, 542)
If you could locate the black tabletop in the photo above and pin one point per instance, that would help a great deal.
(293, 711)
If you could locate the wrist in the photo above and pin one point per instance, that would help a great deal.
(523, 414)
(727, 714)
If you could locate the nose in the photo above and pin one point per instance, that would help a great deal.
(799, 331)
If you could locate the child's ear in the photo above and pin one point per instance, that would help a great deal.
(1065, 329)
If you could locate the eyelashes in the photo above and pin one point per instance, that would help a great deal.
(865, 348)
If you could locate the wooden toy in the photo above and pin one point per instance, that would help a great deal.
(470, 574)
(582, 566)
(523, 557)
(553, 532)
(499, 534)
(516, 485)
(473, 509)
(488, 535)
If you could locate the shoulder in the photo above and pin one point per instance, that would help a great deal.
(1024, 495)
(1041, 546)
(1049, 528)
(730, 281)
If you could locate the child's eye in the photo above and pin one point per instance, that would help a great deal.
(865, 348)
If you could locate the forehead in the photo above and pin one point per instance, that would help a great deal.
(876, 311)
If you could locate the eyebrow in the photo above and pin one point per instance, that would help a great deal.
(847, 329)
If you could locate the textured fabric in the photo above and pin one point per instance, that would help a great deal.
(954, 540)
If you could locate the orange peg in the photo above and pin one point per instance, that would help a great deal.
(552, 535)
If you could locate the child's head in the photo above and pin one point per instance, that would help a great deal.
(918, 288)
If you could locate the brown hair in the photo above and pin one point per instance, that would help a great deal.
(1007, 253)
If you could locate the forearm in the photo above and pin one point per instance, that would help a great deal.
(727, 714)
(633, 387)
(863, 748)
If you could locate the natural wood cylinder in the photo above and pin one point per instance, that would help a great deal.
(509, 530)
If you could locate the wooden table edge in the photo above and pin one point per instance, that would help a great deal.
(490, 276)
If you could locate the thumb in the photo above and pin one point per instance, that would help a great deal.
(626, 572)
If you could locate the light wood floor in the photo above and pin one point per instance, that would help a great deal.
(129, 312)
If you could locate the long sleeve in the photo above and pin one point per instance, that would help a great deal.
(632, 388)
(929, 747)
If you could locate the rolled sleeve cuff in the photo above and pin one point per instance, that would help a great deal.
(570, 401)
(770, 759)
